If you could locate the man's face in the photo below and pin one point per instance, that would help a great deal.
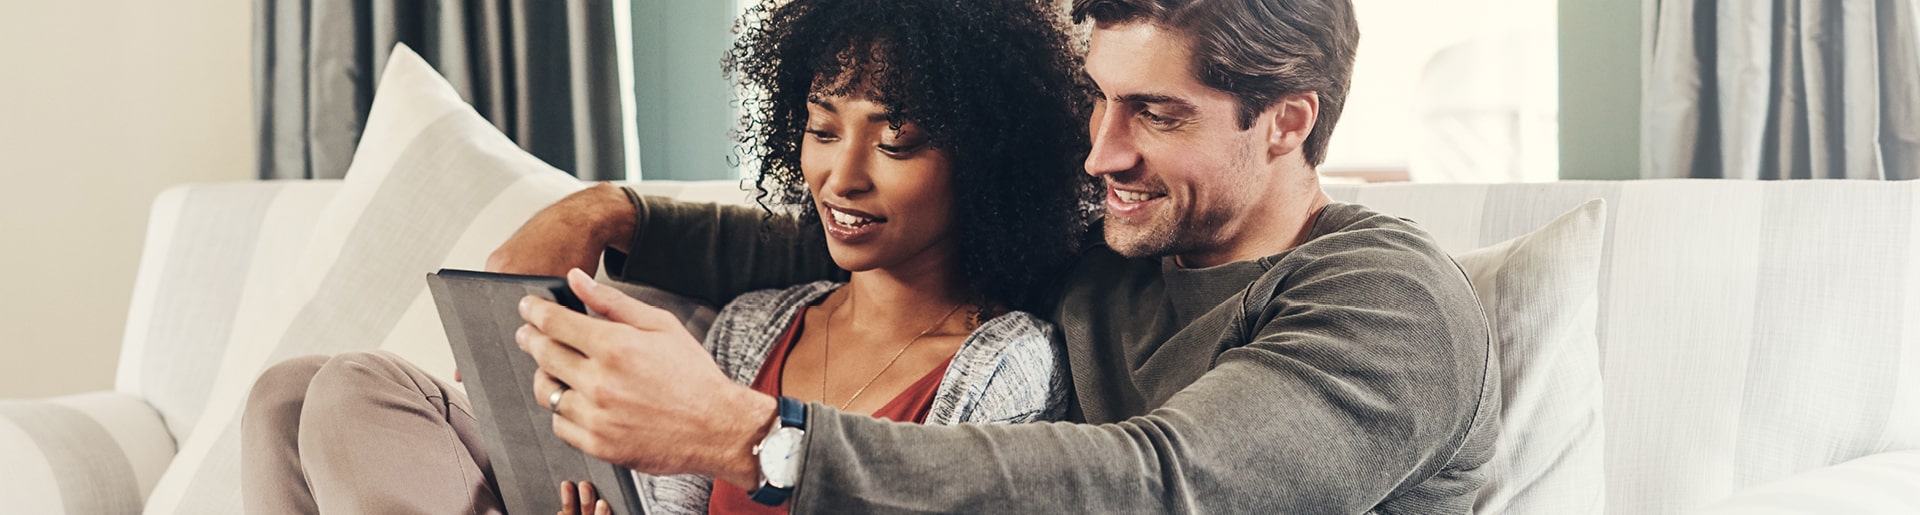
(1179, 170)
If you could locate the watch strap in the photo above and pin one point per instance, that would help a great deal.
(791, 413)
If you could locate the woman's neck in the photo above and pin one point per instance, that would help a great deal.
(893, 299)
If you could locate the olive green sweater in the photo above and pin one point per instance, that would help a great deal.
(1350, 374)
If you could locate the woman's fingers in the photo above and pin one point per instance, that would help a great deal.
(573, 497)
(589, 497)
(569, 502)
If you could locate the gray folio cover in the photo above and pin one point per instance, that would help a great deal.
(480, 312)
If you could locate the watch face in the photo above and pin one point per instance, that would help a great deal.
(780, 457)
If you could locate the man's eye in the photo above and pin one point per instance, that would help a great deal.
(1155, 119)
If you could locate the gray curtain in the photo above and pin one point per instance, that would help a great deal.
(1782, 89)
(543, 71)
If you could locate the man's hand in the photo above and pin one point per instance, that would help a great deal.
(569, 234)
(641, 393)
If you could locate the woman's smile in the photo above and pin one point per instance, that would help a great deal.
(850, 225)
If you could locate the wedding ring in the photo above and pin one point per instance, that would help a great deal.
(553, 401)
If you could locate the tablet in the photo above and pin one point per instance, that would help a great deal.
(480, 312)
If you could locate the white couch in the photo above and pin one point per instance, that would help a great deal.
(1759, 342)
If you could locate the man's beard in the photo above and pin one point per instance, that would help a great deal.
(1152, 239)
(1173, 232)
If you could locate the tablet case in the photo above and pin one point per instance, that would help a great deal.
(480, 312)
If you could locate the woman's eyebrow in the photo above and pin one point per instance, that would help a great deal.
(823, 103)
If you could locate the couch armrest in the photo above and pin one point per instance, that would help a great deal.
(1888, 482)
(81, 454)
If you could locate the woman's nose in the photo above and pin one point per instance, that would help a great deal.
(849, 175)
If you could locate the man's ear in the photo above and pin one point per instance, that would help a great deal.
(1292, 117)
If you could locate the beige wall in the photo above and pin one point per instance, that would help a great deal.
(103, 103)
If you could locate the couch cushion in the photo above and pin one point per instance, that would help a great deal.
(1541, 292)
(432, 185)
(212, 270)
(1881, 484)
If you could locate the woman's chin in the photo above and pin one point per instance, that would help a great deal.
(851, 259)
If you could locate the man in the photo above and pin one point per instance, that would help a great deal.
(1239, 344)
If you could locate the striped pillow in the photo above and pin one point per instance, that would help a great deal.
(432, 185)
(1541, 292)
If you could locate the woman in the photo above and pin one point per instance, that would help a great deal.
(940, 170)
(935, 144)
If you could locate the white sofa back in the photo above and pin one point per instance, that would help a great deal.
(1748, 330)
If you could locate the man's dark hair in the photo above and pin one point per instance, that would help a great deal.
(1257, 50)
(993, 83)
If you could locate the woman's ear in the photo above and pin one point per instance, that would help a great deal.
(1293, 117)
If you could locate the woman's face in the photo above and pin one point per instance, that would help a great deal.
(885, 196)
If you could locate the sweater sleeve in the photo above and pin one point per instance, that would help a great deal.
(1349, 391)
(712, 252)
(1026, 380)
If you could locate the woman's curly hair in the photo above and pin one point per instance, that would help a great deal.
(993, 83)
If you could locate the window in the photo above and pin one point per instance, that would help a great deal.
(1451, 91)
(1443, 91)
(679, 109)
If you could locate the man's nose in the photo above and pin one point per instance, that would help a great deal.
(1113, 149)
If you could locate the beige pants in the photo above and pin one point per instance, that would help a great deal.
(362, 432)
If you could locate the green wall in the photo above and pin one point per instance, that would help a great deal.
(681, 99)
(1600, 69)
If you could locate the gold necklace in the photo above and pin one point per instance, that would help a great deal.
(826, 352)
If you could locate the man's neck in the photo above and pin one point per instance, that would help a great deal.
(1270, 228)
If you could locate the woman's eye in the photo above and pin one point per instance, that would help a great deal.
(822, 136)
(900, 150)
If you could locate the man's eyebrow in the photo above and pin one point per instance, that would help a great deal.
(1155, 98)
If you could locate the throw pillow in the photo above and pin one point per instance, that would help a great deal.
(432, 185)
(1541, 295)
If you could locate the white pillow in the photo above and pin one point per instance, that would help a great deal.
(432, 185)
(1541, 295)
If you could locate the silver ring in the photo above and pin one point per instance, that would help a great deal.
(553, 401)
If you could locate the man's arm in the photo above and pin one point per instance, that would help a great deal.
(714, 252)
(1338, 405)
(706, 251)
(568, 234)
(1363, 385)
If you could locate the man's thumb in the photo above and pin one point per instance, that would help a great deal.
(611, 303)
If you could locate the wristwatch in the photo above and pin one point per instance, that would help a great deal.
(780, 452)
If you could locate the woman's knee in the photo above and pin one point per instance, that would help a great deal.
(284, 383)
(353, 378)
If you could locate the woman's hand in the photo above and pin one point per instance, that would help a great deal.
(572, 498)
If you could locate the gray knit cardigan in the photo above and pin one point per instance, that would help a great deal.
(1010, 370)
